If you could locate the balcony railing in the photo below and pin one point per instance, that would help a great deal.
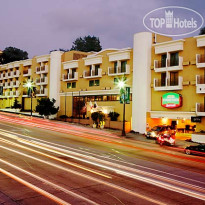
(16, 84)
(10, 75)
(200, 84)
(200, 109)
(16, 74)
(42, 69)
(42, 81)
(200, 60)
(168, 84)
(42, 92)
(119, 70)
(27, 72)
(14, 93)
(168, 65)
(93, 74)
(70, 76)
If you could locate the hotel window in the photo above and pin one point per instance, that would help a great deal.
(174, 78)
(163, 60)
(71, 85)
(163, 79)
(123, 66)
(174, 59)
(94, 83)
(115, 67)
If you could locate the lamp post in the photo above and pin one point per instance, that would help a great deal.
(121, 85)
(65, 107)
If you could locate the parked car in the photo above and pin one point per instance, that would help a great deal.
(152, 133)
(195, 149)
(166, 138)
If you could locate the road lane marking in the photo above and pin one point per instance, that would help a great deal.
(35, 188)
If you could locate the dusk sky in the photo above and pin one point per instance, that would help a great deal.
(43, 25)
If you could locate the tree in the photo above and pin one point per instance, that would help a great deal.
(16, 104)
(11, 54)
(46, 107)
(87, 44)
(202, 31)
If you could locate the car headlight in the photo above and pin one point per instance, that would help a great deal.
(153, 134)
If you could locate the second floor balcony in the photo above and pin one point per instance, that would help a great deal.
(200, 109)
(167, 84)
(14, 93)
(42, 69)
(200, 84)
(42, 81)
(119, 70)
(42, 92)
(168, 65)
(93, 73)
(70, 76)
(8, 85)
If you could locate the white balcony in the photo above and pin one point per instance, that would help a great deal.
(42, 69)
(200, 84)
(70, 76)
(119, 71)
(1, 76)
(168, 65)
(200, 60)
(14, 93)
(7, 94)
(168, 85)
(42, 81)
(200, 109)
(16, 84)
(42, 92)
(10, 74)
(27, 72)
(92, 74)
(16, 74)
(8, 85)
(4, 76)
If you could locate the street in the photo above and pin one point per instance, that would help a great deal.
(51, 162)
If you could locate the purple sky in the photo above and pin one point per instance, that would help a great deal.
(43, 25)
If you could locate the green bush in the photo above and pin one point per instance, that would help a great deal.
(113, 116)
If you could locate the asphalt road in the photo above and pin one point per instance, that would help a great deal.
(48, 162)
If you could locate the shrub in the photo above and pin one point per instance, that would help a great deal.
(16, 104)
(63, 116)
(113, 116)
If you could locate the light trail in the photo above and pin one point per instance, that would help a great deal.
(111, 141)
(154, 182)
(43, 146)
(48, 182)
(127, 191)
(55, 158)
(35, 188)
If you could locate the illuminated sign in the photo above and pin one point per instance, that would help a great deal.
(171, 100)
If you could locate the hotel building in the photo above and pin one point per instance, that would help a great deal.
(166, 79)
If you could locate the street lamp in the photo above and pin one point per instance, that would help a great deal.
(29, 85)
(121, 85)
